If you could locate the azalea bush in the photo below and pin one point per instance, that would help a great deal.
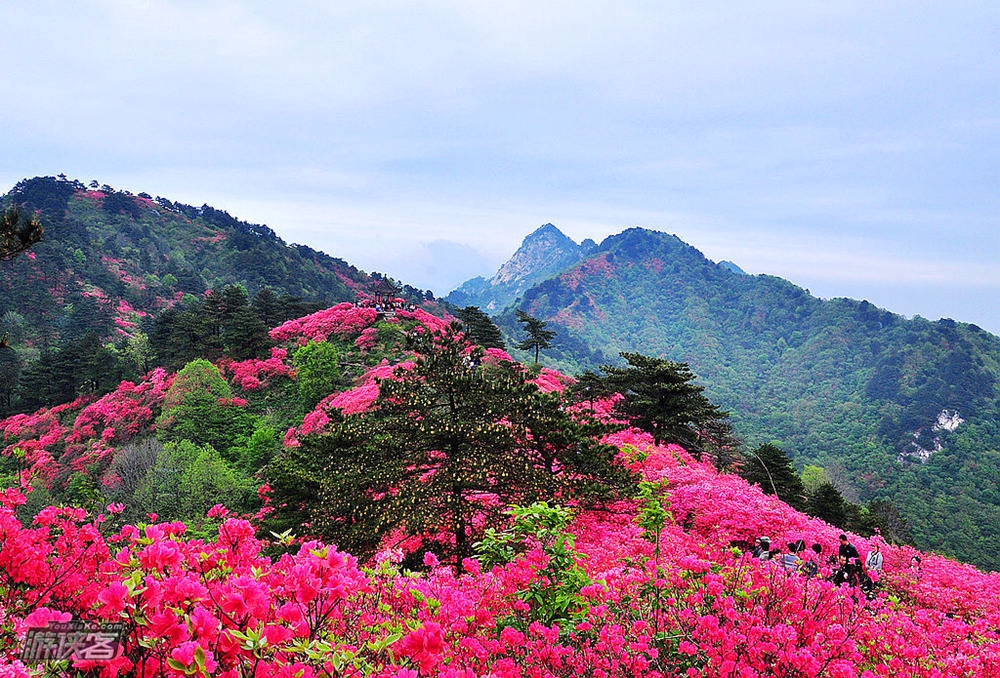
(605, 593)
(656, 585)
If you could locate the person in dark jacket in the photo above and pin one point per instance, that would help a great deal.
(847, 549)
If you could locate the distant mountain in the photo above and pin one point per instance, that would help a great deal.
(111, 260)
(891, 408)
(542, 254)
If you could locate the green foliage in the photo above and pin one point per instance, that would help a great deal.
(18, 232)
(186, 480)
(590, 387)
(259, 450)
(661, 398)
(198, 408)
(136, 357)
(654, 512)
(209, 480)
(813, 477)
(224, 323)
(445, 445)
(886, 518)
(826, 503)
(770, 468)
(538, 336)
(479, 328)
(159, 490)
(554, 595)
(10, 373)
(317, 372)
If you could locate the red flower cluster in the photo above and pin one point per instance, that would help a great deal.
(253, 374)
(681, 601)
(344, 320)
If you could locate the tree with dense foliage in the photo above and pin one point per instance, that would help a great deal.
(659, 396)
(10, 372)
(719, 441)
(18, 232)
(479, 328)
(589, 387)
(223, 323)
(444, 449)
(827, 503)
(891, 525)
(199, 407)
(317, 372)
(770, 468)
(538, 336)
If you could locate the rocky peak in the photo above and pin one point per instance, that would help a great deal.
(544, 253)
(547, 248)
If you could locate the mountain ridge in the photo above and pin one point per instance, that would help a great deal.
(543, 252)
(110, 258)
(838, 383)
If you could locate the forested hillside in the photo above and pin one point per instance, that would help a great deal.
(148, 508)
(892, 408)
(121, 283)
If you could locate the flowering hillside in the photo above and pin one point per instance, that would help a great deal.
(659, 585)
(680, 601)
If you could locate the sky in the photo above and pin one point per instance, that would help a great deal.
(850, 147)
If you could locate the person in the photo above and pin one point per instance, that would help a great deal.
(810, 563)
(915, 567)
(846, 572)
(791, 561)
(847, 549)
(757, 548)
(873, 563)
(765, 549)
(840, 574)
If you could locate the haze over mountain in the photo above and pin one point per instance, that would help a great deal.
(890, 407)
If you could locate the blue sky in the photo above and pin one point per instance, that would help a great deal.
(851, 147)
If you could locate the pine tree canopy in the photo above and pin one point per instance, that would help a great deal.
(538, 336)
(661, 398)
(769, 467)
(479, 328)
(17, 232)
(444, 450)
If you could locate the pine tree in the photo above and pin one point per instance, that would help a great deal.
(538, 336)
(17, 232)
(661, 398)
(196, 408)
(446, 447)
(826, 503)
(10, 372)
(479, 328)
(769, 467)
(590, 387)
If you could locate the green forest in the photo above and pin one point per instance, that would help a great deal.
(839, 384)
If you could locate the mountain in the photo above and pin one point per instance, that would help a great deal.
(118, 284)
(891, 408)
(542, 254)
(106, 251)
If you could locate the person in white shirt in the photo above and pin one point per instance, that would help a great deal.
(873, 563)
